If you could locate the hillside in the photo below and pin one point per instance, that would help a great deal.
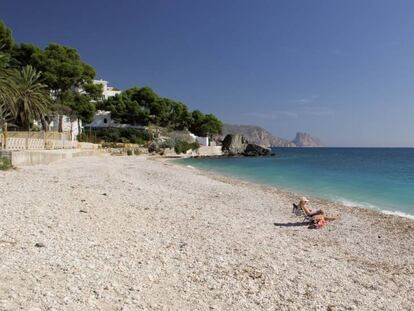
(257, 135)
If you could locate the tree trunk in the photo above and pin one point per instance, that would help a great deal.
(44, 123)
(60, 128)
(5, 136)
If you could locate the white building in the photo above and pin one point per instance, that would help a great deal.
(103, 119)
(73, 126)
(107, 91)
(203, 141)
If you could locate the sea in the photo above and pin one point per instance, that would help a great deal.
(377, 178)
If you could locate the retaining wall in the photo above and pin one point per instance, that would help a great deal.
(31, 157)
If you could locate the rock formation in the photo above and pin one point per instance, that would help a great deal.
(253, 150)
(259, 136)
(256, 135)
(236, 144)
(306, 140)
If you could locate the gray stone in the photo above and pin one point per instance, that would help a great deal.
(234, 144)
(253, 150)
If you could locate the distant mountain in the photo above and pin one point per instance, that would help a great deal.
(260, 136)
(306, 140)
(256, 135)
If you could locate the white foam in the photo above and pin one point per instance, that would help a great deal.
(192, 167)
(350, 203)
(401, 214)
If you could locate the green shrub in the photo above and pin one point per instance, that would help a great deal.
(170, 143)
(183, 146)
(5, 164)
(129, 152)
(123, 135)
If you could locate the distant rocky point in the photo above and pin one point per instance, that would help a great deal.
(306, 140)
(260, 136)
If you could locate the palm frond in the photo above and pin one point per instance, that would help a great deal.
(32, 100)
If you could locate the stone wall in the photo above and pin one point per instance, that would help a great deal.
(31, 157)
(208, 151)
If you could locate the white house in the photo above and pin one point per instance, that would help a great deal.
(203, 141)
(73, 126)
(103, 119)
(107, 91)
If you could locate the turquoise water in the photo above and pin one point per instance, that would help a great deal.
(377, 178)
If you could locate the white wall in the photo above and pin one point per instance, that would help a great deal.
(101, 119)
(107, 91)
(203, 141)
(68, 125)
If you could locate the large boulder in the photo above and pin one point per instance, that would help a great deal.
(234, 144)
(253, 150)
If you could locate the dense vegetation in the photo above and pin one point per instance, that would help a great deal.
(142, 106)
(36, 84)
(114, 135)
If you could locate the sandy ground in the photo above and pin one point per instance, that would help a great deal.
(127, 233)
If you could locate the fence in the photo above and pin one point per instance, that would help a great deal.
(37, 141)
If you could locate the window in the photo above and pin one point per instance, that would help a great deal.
(105, 120)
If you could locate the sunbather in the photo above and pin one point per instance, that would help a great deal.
(308, 211)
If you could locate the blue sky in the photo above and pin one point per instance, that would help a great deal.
(340, 70)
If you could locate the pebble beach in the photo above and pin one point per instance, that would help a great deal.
(136, 233)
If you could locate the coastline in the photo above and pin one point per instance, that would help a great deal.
(295, 195)
(389, 208)
(145, 233)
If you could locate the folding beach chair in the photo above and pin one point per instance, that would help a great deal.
(298, 211)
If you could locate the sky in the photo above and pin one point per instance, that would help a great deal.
(341, 70)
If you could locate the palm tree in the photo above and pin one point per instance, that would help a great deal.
(7, 98)
(7, 89)
(32, 100)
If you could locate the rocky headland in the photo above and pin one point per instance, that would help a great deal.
(259, 136)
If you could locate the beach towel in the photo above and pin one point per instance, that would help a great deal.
(319, 221)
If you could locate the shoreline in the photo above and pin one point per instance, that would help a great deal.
(344, 202)
(145, 233)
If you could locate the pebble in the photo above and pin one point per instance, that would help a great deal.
(189, 251)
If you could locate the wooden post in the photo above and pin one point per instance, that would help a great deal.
(5, 136)
(27, 140)
(44, 139)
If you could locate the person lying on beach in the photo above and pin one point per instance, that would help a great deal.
(318, 216)
(308, 211)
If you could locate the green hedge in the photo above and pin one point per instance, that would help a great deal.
(115, 135)
(183, 146)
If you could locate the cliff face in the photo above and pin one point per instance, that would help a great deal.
(256, 135)
(306, 140)
(260, 136)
